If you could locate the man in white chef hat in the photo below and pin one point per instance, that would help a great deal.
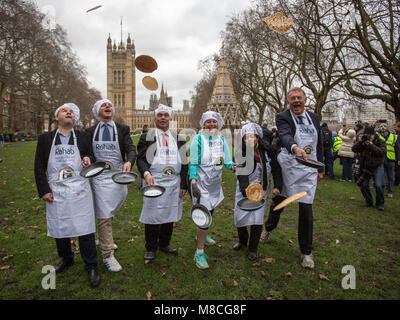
(62, 154)
(112, 143)
(162, 161)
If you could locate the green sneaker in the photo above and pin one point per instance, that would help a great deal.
(209, 241)
(201, 260)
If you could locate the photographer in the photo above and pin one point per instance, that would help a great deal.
(372, 152)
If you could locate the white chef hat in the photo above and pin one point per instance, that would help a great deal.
(74, 108)
(164, 108)
(212, 115)
(97, 106)
(251, 127)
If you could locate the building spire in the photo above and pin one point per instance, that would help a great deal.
(121, 31)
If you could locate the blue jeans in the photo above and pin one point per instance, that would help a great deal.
(347, 173)
(379, 180)
(389, 175)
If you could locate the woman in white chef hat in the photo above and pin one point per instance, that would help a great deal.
(208, 152)
(255, 163)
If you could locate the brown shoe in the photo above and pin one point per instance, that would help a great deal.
(390, 195)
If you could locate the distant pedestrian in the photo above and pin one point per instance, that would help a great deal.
(372, 152)
(392, 153)
(327, 143)
(397, 164)
(348, 137)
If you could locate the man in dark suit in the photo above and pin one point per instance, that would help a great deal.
(112, 144)
(162, 161)
(300, 135)
(60, 156)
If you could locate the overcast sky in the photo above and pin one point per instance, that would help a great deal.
(177, 33)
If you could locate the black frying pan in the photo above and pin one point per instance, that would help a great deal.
(93, 170)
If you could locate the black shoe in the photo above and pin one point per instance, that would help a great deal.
(380, 208)
(252, 256)
(149, 255)
(368, 204)
(169, 249)
(94, 278)
(237, 246)
(63, 264)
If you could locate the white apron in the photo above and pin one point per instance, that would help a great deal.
(108, 195)
(296, 176)
(209, 173)
(247, 218)
(165, 170)
(71, 214)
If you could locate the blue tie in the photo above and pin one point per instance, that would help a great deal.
(106, 133)
(300, 119)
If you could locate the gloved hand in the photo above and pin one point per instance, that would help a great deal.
(196, 191)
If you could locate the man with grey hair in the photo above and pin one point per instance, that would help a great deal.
(112, 143)
(300, 135)
(162, 161)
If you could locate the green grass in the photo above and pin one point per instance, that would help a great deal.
(368, 239)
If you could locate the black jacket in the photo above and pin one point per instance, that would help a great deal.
(128, 150)
(146, 140)
(371, 156)
(262, 148)
(287, 129)
(43, 151)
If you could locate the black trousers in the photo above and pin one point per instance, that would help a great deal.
(396, 174)
(255, 233)
(305, 228)
(87, 248)
(158, 235)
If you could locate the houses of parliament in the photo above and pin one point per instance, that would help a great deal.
(121, 90)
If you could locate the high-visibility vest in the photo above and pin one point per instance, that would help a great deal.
(337, 142)
(390, 143)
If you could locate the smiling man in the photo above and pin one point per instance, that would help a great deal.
(112, 144)
(300, 135)
(162, 161)
(62, 154)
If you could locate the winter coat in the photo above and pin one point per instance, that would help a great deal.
(371, 156)
(348, 138)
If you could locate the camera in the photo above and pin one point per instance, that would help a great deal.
(365, 137)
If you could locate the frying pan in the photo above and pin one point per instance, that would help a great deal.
(93, 170)
(124, 177)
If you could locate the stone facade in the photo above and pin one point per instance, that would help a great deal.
(369, 113)
(121, 79)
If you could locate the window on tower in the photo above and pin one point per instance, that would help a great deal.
(115, 77)
(123, 76)
(123, 100)
(119, 76)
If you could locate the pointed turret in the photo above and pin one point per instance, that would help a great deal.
(163, 98)
(109, 42)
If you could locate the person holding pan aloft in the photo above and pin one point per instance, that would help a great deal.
(112, 143)
(301, 138)
(208, 153)
(162, 162)
(256, 162)
(60, 156)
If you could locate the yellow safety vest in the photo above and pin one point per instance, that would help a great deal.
(390, 143)
(337, 142)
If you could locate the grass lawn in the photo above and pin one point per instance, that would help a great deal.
(345, 233)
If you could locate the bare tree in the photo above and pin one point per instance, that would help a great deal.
(377, 47)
